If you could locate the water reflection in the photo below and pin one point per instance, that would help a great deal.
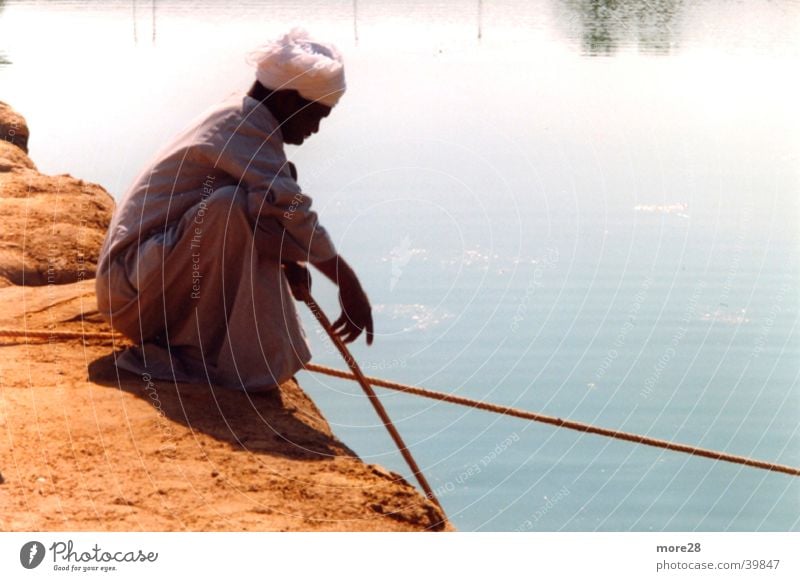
(143, 13)
(608, 25)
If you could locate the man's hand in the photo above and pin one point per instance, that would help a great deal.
(356, 311)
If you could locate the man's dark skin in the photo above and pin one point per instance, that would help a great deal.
(299, 118)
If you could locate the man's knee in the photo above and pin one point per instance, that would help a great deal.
(219, 221)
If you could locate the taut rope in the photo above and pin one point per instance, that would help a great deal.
(569, 424)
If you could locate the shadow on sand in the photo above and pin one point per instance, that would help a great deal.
(284, 422)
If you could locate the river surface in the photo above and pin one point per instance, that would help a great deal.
(584, 208)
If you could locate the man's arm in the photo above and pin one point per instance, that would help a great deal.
(356, 311)
(253, 157)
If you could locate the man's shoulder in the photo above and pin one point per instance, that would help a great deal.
(233, 128)
(239, 109)
(230, 108)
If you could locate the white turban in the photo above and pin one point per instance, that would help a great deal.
(295, 61)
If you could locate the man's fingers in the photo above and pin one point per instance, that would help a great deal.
(349, 332)
(340, 322)
(348, 328)
(349, 338)
(353, 332)
(344, 336)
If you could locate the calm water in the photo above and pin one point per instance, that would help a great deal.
(567, 206)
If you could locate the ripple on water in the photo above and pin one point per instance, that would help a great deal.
(412, 316)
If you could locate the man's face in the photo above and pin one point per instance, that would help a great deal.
(302, 119)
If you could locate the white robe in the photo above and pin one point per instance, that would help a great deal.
(190, 267)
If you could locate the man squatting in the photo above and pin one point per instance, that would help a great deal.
(195, 263)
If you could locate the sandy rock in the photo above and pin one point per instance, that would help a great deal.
(12, 158)
(52, 226)
(13, 128)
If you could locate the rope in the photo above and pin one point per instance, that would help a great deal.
(472, 403)
(50, 335)
(569, 424)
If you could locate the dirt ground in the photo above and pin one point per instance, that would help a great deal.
(84, 446)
